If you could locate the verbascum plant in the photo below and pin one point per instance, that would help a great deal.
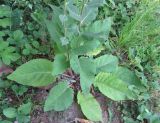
(78, 39)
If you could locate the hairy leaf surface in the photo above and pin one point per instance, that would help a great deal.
(113, 87)
(37, 72)
(90, 107)
(106, 63)
(60, 97)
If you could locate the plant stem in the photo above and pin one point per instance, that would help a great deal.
(65, 29)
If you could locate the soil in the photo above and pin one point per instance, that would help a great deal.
(73, 114)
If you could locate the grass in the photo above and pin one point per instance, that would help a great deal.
(143, 28)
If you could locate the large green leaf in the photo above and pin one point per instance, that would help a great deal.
(60, 98)
(106, 63)
(37, 72)
(60, 64)
(113, 87)
(90, 107)
(99, 29)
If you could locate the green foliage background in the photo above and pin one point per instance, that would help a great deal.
(129, 30)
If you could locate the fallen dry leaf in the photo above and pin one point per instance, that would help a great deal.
(79, 120)
(5, 70)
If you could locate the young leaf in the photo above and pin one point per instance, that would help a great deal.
(90, 107)
(10, 112)
(64, 41)
(37, 72)
(19, 90)
(60, 64)
(106, 63)
(60, 97)
(113, 87)
(88, 12)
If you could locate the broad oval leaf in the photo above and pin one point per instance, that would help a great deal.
(37, 72)
(90, 107)
(106, 63)
(60, 97)
(10, 112)
(113, 87)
